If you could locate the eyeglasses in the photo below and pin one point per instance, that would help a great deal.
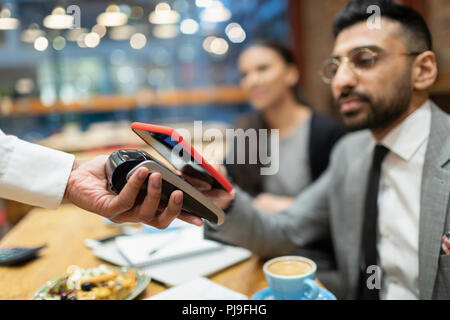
(359, 60)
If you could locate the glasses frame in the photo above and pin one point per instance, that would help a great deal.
(341, 61)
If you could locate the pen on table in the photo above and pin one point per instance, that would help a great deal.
(109, 238)
(91, 243)
(161, 246)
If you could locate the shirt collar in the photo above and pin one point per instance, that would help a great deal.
(406, 139)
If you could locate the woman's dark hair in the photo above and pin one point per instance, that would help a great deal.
(284, 51)
(288, 57)
(414, 28)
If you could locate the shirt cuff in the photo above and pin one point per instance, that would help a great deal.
(35, 175)
(241, 203)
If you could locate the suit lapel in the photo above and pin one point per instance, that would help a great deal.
(434, 202)
(357, 181)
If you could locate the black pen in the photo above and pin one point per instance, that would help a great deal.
(109, 238)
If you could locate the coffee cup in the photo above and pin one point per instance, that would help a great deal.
(292, 278)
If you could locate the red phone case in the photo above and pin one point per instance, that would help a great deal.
(186, 146)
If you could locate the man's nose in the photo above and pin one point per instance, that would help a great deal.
(344, 78)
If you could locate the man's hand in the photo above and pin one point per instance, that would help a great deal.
(87, 189)
(272, 203)
(219, 197)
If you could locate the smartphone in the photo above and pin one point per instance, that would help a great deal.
(179, 152)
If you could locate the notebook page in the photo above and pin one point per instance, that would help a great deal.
(199, 289)
(147, 249)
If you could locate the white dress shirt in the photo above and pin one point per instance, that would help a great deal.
(33, 174)
(399, 206)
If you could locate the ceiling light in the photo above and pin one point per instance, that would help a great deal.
(165, 31)
(219, 46)
(121, 33)
(235, 33)
(41, 43)
(58, 19)
(138, 41)
(59, 43)
(99, 29)
(207, 43)
(6, 22)
(32, 33)
(189, 26)
(74, 34)
(215, 45)
(92, 40)
(80, 40)
(203, 3)
(216, 12)
(163, 14)
(24, 86)
(112, 17)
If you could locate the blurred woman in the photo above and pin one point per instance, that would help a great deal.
(270, 79)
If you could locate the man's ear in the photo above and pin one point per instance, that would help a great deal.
(425, 71)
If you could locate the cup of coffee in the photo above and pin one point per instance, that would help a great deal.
(292, 278)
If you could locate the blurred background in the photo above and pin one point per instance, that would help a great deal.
(74, 74)
(131, 60)
(82, 62)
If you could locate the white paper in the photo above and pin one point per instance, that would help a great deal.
(199, 289)
(148, 249)
(181, 270)
(176, 272)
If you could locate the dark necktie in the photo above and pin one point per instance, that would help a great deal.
(369, 235)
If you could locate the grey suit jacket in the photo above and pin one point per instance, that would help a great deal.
(333, 207)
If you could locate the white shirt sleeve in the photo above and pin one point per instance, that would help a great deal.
(33, 174)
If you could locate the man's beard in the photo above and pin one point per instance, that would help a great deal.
(382, 112)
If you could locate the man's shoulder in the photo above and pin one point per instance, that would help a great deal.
(439, 115)
(440, 133)
(440, 123)
(353, 143)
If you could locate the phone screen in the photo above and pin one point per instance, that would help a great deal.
(170, 145)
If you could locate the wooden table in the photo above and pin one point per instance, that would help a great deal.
(64, 232)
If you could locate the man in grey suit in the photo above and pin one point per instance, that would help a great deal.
(385, 196)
